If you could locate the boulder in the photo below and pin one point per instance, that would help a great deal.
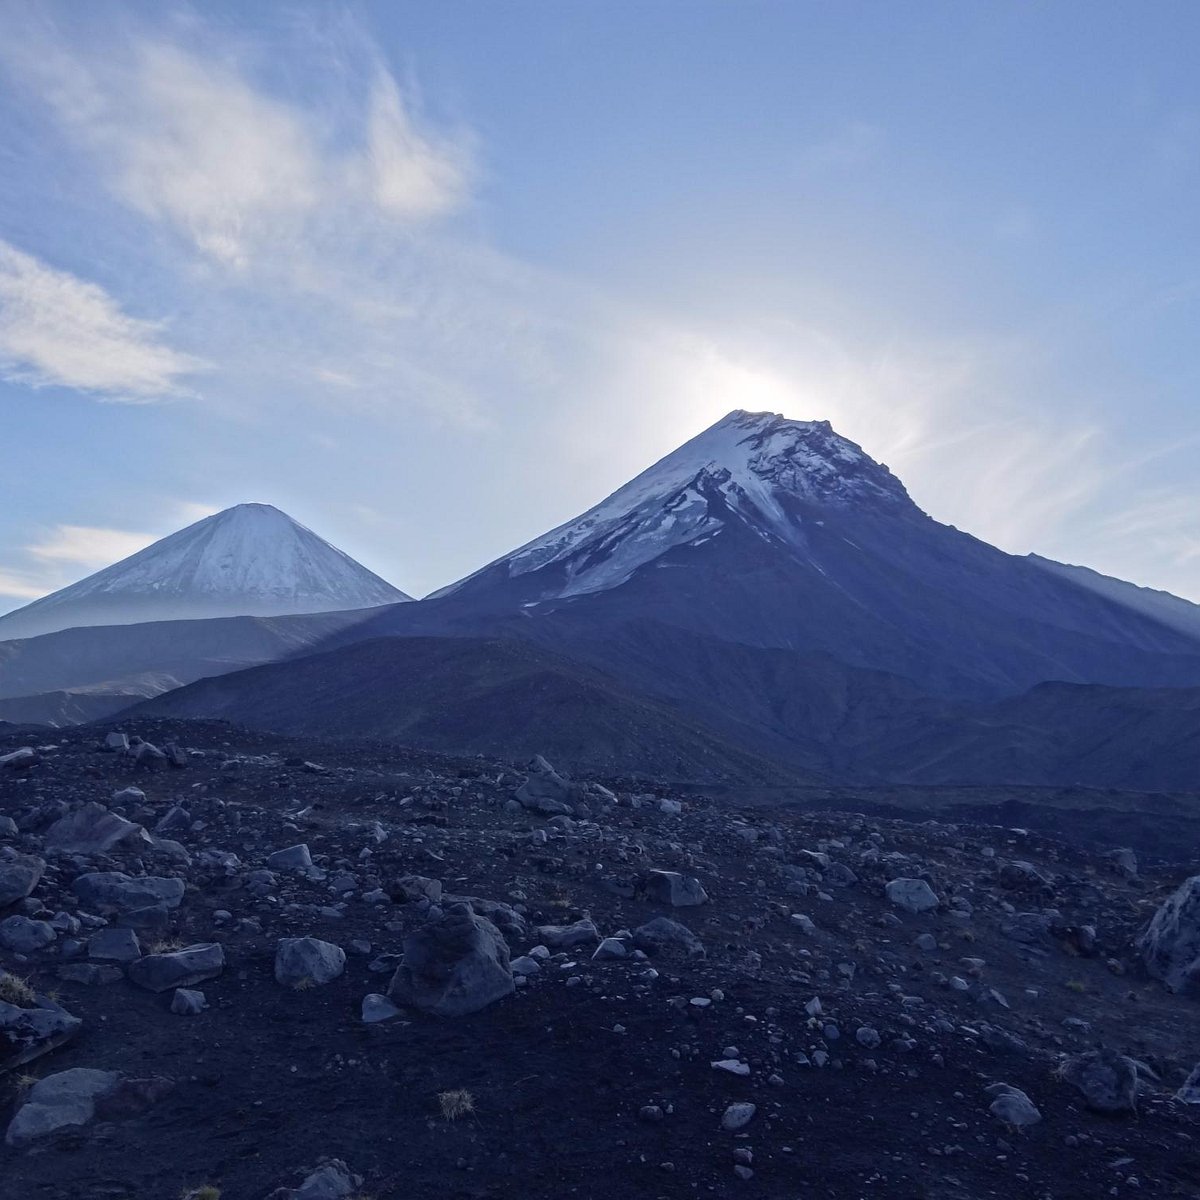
(22, 935)
(912, 895)
(114, 944)
(18, 878)
(114, 891)
(546, 791)
(679, 891)
(1107, 1081)
(92, 829)
(116, 743)
(1190, 1092)
(307, 962)
(187, 1003)
(1012, 1106)
(664, 936)
(376, 1008)
(417, 887)
(18, 760)
(293, 858)
(28, 1033)
(180, 968)
(568, 937)
(59, 1102)
(455, 965)
(332, 1181)
(1170, 945)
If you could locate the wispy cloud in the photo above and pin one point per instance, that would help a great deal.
(21, 586)
(57, 329)
(88, 546)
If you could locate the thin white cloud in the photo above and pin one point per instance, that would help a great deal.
(57, 329)
(21, 585)
(88, 546)
(412, 175)
(186, 137)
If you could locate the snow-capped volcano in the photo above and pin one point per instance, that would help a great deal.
(758, 470)
(250, 560)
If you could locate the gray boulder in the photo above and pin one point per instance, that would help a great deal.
(1190, 1092)
(664, 936)
(18, 878)
(22, 935)
(376, 1008)
(28, 1033)
(180, 968)
(18, 760)
(1106, 1080)
(546, 791)
(568, 937)
(92, 829)
(59, 1102)
(679, 891)
(912, 895)
(453, 966)
(115, 944)
(1170, 946)
(293, 858)
(114, 891)
(307, 962)
(187, 1003)
(332, 1181)
(1012, 1106)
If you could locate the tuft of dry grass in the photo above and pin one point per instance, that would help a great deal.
(456, 1103)
(1076, 985)
(15, 990)
(204, 1192)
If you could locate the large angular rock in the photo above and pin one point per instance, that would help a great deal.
(28, 1033)
(114, 891)
(332, 1181)
(546, 791)
(1190, 1092)
(18, 760)
(22, 935)
(180, 968)
(679, 891)
(92, 829)
(307, 962)
(18, 878)
(1012, 1106)
(1170, 946)
(291, 858)
(59, 1102)
(568, 937)
(912, 895)
(453, 966)
(1106, 1080)
(664, 936)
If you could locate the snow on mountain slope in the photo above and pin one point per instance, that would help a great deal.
(1171, 610)
(752, 467)
(248, 560)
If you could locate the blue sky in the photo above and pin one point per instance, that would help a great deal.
(436, 277)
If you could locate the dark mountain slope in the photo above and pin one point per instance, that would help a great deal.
(155, 656)
(470, 696)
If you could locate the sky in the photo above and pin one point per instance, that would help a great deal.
(434, 278)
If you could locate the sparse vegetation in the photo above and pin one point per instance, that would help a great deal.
(456, 1103)
(204, 1192)
(15, 990)
(1076, 985)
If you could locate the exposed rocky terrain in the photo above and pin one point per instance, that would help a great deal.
(243, 962)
